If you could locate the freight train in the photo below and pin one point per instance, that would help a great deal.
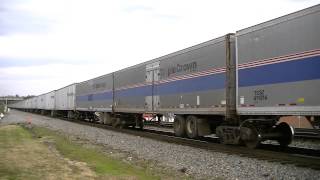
(238, 86)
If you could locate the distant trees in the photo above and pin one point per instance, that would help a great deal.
(28, 96)
(18, 96)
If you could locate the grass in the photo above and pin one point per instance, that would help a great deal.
(2, 107)
(43, 154)
(16, 153)
(99, 162)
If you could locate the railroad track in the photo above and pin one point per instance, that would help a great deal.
(300, 157)
(307, 133)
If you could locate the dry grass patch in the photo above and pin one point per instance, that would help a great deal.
(24, 157)
(38, 153)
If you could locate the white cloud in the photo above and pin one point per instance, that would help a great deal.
(44, 78)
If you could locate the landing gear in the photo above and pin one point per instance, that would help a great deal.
(228, 134)
(179, 126)
(124, 120)
(118, 123)
(104, 118)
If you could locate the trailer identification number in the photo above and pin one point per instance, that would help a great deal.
(259, 95)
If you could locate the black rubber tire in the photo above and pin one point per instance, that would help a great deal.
(192, 127)
(255, 140)
(287, 134)
(139, 123)
(179, 126)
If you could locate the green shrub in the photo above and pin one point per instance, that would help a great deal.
(2, 107)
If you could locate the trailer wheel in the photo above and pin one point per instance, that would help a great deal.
(287, 134)
(192, 127)
(249, 135)
(179, 126)
(139, 122)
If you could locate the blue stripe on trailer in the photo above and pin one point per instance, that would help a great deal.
(290, 71)
(95, 97)
(209, 82)
(203, 83)
(137, 91)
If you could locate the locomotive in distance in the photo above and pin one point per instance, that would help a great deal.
(240, 86)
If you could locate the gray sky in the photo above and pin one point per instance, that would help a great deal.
(48, 44)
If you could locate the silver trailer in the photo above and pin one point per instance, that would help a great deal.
(34, 103)
(65, 98)
(188, 81)
(28, 104)
(130, 89)
(49, 100)
(95, 94)
(191, 81)
(277, 76)
(41, 102)
(18, 105)
(24, 104)
(279, 65)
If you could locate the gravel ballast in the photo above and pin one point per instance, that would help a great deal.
(199, 163)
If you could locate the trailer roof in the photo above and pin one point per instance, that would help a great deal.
(285, 18)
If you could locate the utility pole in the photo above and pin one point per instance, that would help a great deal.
(6, 106)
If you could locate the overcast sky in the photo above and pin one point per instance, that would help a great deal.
(48, 44)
